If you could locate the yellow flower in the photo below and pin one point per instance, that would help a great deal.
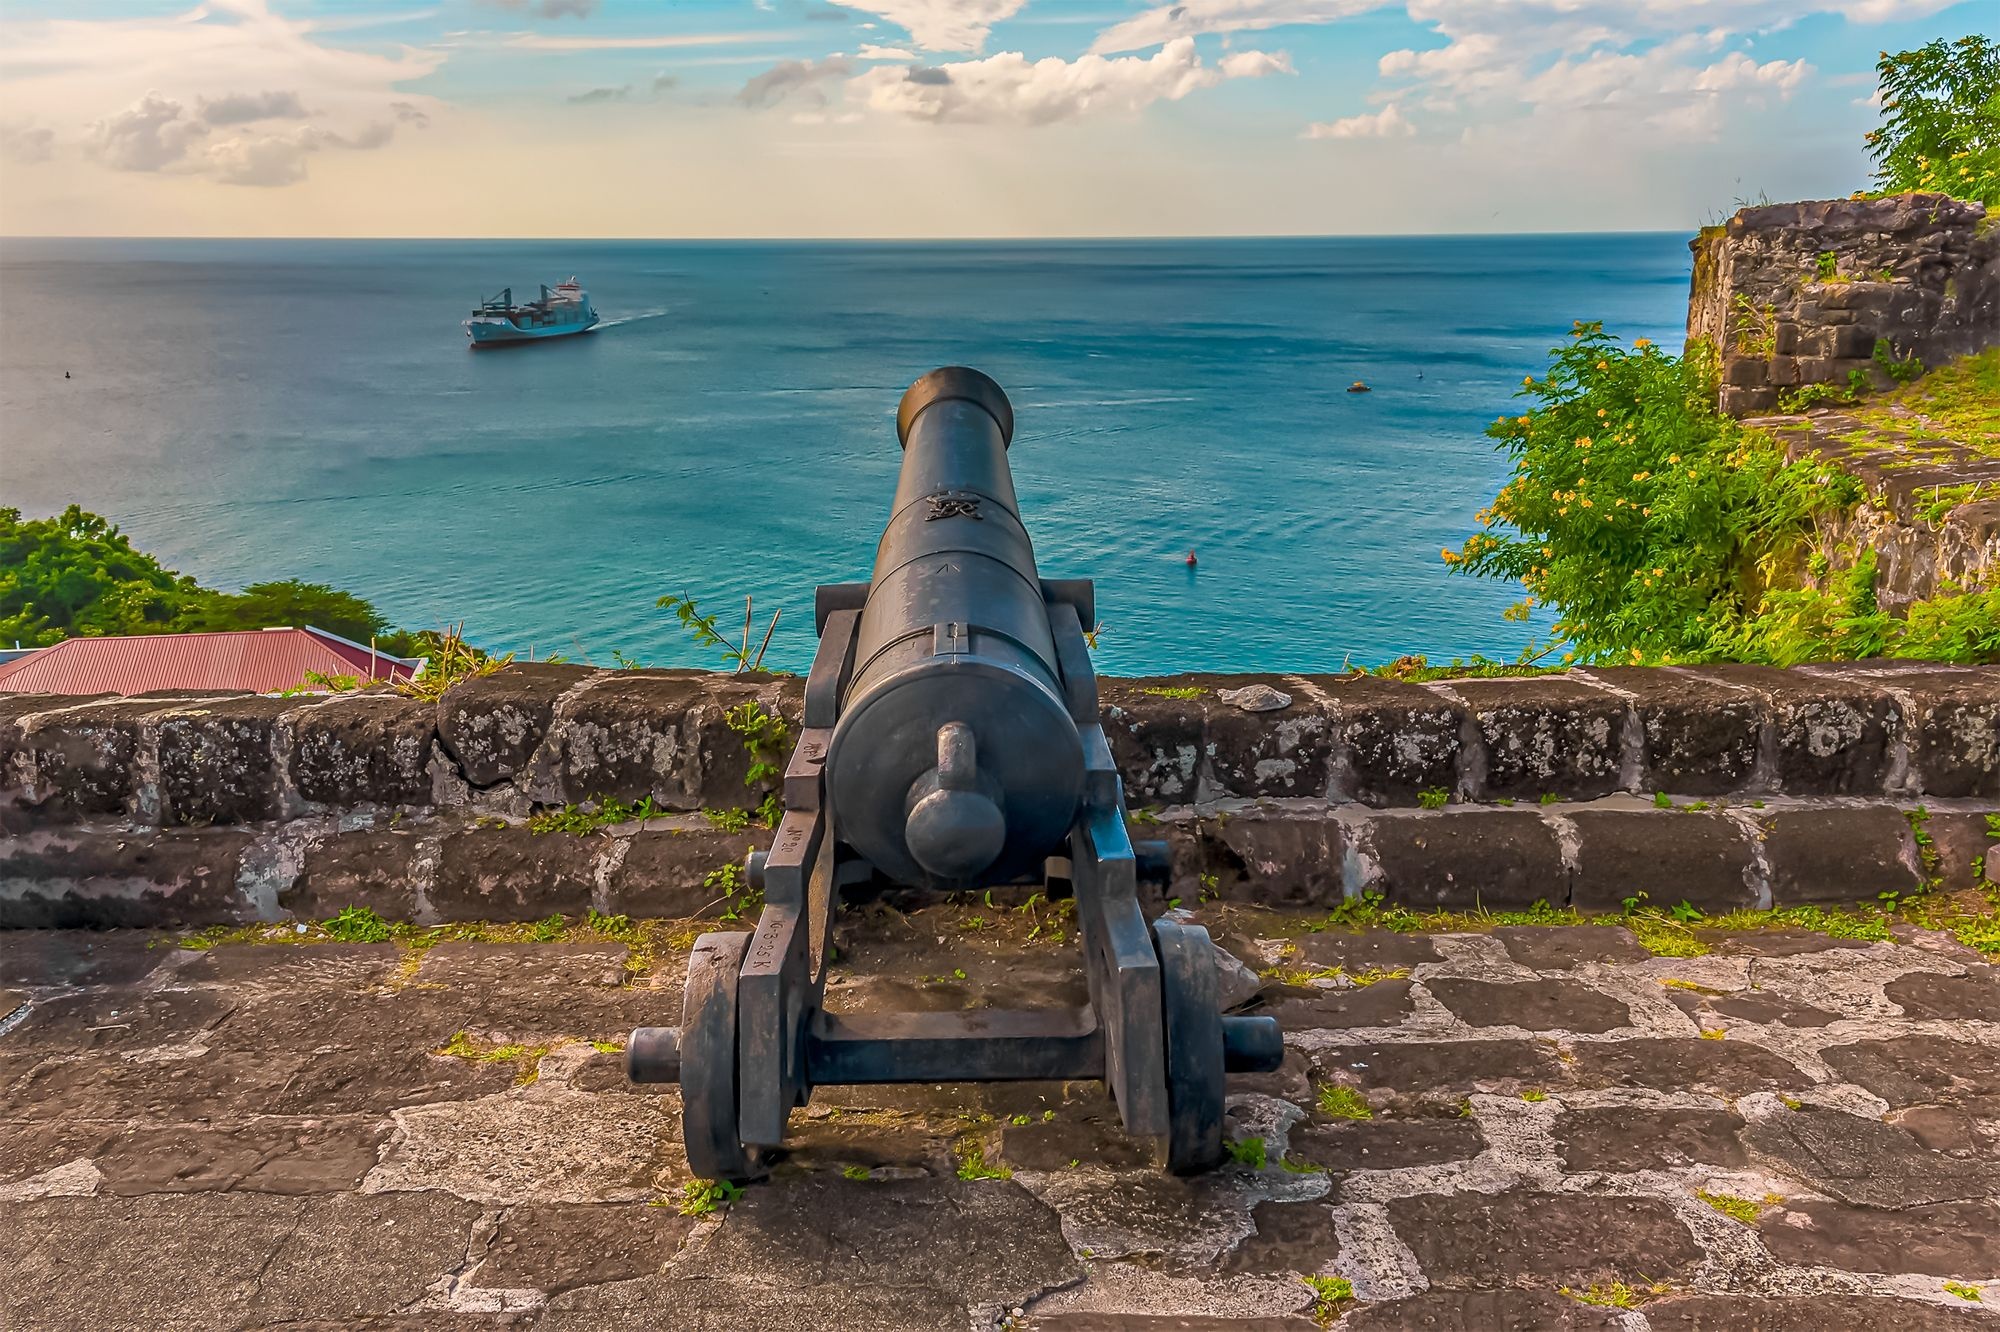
(1659, 573)
(1586, 504)
(1640, 344)
(1693, 475)
(1640, 476)
(1673, 457)
(1604, 365)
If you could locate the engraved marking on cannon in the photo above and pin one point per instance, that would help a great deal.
(813, 751)
(954, 506)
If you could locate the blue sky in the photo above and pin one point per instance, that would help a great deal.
(932, 117)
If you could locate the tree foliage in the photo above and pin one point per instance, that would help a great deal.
(1659, 530)
(1940, 120)
(77, 575)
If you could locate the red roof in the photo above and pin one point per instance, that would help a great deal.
(262, 661)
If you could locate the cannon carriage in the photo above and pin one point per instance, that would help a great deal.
(952, 740)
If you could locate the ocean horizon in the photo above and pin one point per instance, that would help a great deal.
(260, 409)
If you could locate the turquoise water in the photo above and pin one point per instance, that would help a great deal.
(251, 410)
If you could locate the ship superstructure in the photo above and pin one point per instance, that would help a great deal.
(561, 310)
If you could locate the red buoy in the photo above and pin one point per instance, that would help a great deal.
(1191, 560)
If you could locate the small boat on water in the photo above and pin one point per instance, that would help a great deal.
(562, 310)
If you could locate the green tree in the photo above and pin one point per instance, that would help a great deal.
(291, 602)
(1940, 120)
(77, 574)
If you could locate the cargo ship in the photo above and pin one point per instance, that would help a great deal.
(562, 310)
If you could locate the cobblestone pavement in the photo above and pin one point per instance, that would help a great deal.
(1475, 1131)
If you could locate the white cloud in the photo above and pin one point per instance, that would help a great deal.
(788, 77)
(27, 143)
(1388, 123)
(1009, 88)
(869, 51)
(163, 76)
(153, 133)
(1189, 18)
(242, 108)
(942, 25)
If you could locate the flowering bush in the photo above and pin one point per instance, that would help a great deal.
(1940, 120)
(1650, 523)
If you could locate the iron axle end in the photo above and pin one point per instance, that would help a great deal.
(653, 1054)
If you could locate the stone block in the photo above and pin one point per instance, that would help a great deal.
(1748, 401)
(1952, 1239)
(1156, 738)
(1443, 1070)
(1853, 341)
(1627, 1138)
(1782, 370)
(1482, 1240)
(1963, 852)
(1546, 735)
(376, 868)
(1704, 859)
(1700, 737)
(1745, 372)
(1907, 1070)
(217, 761)
(1680, 1064)
(1461, 859)
(1270, 858)
(491, 725)
(367, 749)
(1839, 855)
(1832, 733)
(664, 734)
(1391, 740)
(1537, 1005)
(663, 874)
(1955, 731)
(1861, 1160)
(84, 761)
(514, 874)
(71, 878)
(1807, 1313)
(1284, 752)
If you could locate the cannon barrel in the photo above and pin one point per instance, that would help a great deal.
(955, 758)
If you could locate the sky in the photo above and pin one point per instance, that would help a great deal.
(932, 118)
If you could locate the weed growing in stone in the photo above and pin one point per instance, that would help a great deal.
(1174, 691)
(1341, 1102)
(1745, 1210)
(855, 1172)
(603, 812)
(1249, 1152)
(727, 820)
(1329, 1294)
(1613, 1294)
(971, 1154)
(704, 1197)
(1300, 1167)
(357, 925)
(463, 1045)
(1714, 1034)
(1437, 797)
(1534, 1094)
(1661, 800)
(1962, 1290)
(543, 931)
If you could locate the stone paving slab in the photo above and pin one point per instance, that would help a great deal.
(1537, 1128)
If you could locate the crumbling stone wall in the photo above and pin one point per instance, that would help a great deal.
(1920, 272)
(1784, 786)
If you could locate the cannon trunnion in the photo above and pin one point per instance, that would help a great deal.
(951, 740)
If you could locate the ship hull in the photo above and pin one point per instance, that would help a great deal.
(503, 335)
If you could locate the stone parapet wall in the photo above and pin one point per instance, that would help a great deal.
(200, 810)
(1919, 271)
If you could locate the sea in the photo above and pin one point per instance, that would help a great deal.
(255, 410)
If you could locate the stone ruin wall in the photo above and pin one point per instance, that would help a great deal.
(1921, 271)
(1788, 786)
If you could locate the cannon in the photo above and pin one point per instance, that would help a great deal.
(951, 740)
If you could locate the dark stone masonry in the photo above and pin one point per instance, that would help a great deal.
(1800, 293)
(1778, 787)
(1537, 1128)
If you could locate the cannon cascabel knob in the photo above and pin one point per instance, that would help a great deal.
(955, 828)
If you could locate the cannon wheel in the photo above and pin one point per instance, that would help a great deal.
(708, 1059)
(1194, 1046)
